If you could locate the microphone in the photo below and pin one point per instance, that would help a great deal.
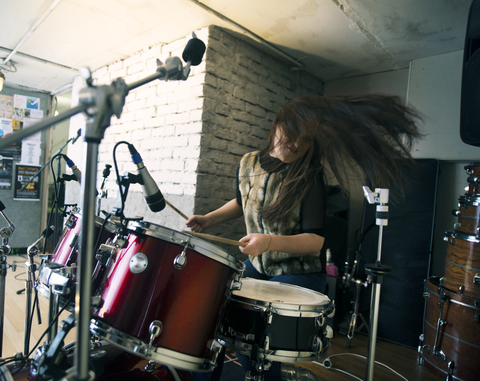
(79, 133)
(194, 51)
(152, 194)
(73, 167)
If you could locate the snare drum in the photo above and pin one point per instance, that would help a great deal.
(163, 296)
(277, 321)
(462, 263)
(59, 272)
(451, 332)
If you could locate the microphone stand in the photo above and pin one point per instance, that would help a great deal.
(5, 234)
(56, 223)
(99, 103)
(376, 271)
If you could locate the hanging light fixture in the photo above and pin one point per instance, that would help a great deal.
(2, 79)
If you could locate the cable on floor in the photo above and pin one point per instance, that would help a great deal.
(327, 364)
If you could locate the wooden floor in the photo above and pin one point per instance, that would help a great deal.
(401, 359)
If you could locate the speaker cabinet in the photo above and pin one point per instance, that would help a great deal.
(470, 96)
(407, 246)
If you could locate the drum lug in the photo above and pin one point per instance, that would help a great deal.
(320, 321)
(456, 212)
(105, 253)
(267, 343)
(476, 279)
(457, 225)
(235, 285)
(476, 303)
(120, 241)
(150, 367)
(97, 301)
(181, 259)
(155, 329)
(214, 346)
(269, 316)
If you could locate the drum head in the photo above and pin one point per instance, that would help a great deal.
(285, 298)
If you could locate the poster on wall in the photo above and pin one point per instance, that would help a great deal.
(6, 106)
(23, 174)
(6, 174)
(18, 112)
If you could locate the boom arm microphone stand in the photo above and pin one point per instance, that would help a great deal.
(376, 271)
(100, 104)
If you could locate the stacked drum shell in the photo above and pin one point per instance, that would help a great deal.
(452, 312)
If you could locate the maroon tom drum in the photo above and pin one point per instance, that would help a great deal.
(163, 296)
(59, 272)
(451, 332)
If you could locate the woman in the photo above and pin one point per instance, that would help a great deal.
(281, 188)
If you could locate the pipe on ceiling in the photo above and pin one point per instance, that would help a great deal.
(249, 32)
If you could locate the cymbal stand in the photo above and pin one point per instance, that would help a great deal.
(5, 234)
(30, 284)
(376, 271)
(356, 314)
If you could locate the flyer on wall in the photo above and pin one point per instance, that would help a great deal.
(23, 174)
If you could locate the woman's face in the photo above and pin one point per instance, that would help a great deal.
(286, 150)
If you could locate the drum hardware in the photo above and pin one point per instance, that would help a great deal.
(476, 304)
(375, 272)
(155, 330)
(97, 301)
(138, 264)
(103, 193)
(451, 367)
(5, 234)
(30, 284)
(181, 259)
(235, 284)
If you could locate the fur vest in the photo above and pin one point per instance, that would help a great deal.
(259, 188)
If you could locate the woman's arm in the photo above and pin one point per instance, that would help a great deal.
(227, 212)
(303, 243)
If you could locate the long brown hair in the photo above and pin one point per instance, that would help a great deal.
(370, 135)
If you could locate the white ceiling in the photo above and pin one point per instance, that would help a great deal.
(329, 38)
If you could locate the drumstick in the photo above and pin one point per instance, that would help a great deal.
(176, 210)
(215, 238)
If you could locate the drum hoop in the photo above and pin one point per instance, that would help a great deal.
(461, 235)
(472, 306)
(284, 309)
(110, 226)
(195, 243)
(271, 354)
(139, 348)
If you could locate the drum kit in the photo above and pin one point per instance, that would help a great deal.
(154, 319)
(452, 315)
(149, 302)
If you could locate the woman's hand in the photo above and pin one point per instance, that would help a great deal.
(256, 244)
(198, 224)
